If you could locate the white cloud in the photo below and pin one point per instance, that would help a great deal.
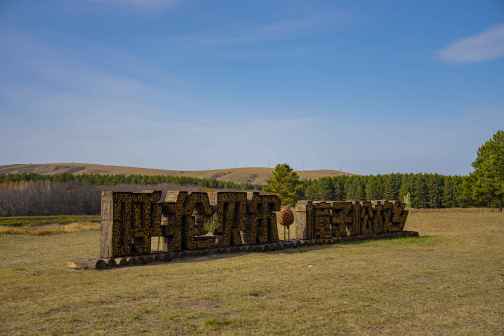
(277, 30)
(485, 46)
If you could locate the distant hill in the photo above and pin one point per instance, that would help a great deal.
(253, 175)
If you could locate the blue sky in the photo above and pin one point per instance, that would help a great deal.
(363, 86)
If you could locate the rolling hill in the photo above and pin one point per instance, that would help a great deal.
(253, 175)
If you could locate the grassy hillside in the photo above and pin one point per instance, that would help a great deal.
(448, 282)
(252, 175)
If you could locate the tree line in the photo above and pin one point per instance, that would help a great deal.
(417, 190)
(484, 187)
(134, 179)
(47, 197)
(35, 194)
(27, 198)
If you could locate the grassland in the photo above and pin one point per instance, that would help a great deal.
(253, 175)
(449, 282)
(45, 225)
(33, 221)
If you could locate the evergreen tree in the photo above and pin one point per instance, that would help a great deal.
(434, 190)
(388, 187)
(312, 190)
(349, 186)
(373, 187)
(356, 189)
(420, 193)
(465, 194)
(339, 188)
(380, 187)
(396, 186)
(488, 187)
(449, 197)
(327, 187)
(284, 182)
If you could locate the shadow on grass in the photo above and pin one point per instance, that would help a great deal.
(385, 242)
(395, 242)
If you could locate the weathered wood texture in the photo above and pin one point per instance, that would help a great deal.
(129, 220)
(178, 220)
(135, 224)
(324, 220)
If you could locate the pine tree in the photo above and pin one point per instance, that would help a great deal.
(420, 193)
(370, 187)
(349, 188)
(449, 193)
(488, 187)
(326, 189)
(434, 184)
(339, 188)
(380, 187)
(374, 187)
(312, 190)
(465, 192)
(284, 182)
(389, 187)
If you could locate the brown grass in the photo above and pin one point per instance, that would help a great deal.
(448, 282)
(46, 225)
(44, 230)
(32, 221)
(254, 175)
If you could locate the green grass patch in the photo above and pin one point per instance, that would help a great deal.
(399, 241)
(422, 240)
(217, 324)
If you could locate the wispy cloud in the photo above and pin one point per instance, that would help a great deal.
(276, 30)
(488, 45)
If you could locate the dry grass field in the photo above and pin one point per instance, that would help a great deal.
(46, 225)
(254, 175)
(448, 282)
